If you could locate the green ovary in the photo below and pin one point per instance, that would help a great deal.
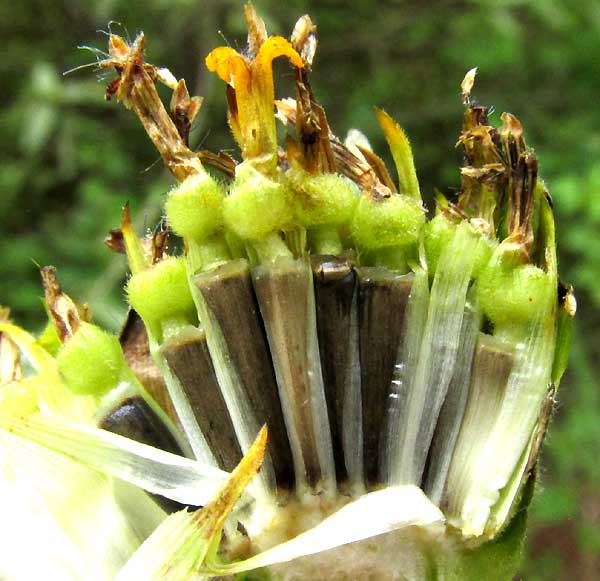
(195, 207)
(511, 295)
(256, 205)
(91, 361)
(161, 292)
(390, 222)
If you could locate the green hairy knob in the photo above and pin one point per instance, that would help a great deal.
(161, 292)
(438, 233)
(256, 205)
(511, 294)
(91, 361)
(326, 199)
(195, 207)
(393, 221)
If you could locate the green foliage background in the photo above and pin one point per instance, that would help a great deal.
(70, 161)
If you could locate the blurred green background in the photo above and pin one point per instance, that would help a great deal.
(70, 161)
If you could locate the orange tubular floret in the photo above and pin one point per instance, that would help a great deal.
(254, 95)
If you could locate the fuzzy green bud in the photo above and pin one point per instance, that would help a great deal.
(162, 292)
(391, 222)
(510, 292)
(256, 205)
(438, 233)
(195, 207)
(91, 361)
(483, 254)
(326, 199)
